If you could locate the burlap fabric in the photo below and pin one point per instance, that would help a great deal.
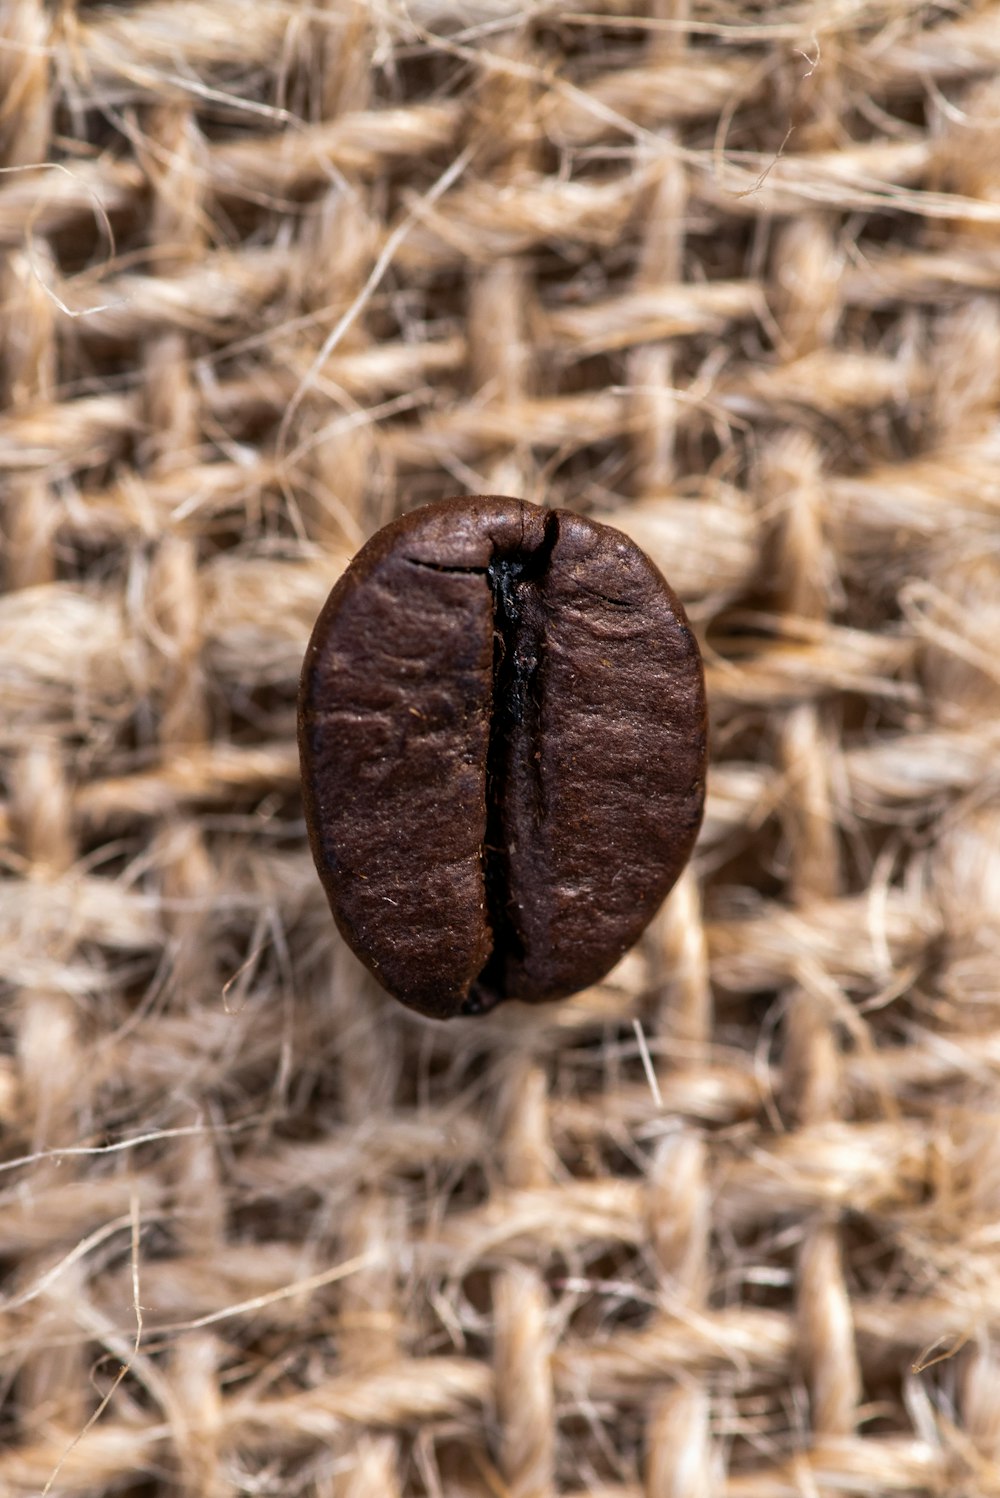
(725, 274)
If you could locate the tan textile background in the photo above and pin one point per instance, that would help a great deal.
(725, 273)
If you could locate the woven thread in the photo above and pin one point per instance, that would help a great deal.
(720, 273)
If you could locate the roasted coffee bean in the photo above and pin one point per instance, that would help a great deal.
(502, 734)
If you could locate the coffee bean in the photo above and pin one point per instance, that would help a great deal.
(502, 734)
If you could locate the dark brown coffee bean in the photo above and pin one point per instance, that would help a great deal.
(502, 733)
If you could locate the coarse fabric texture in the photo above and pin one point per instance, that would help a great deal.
(725, 274)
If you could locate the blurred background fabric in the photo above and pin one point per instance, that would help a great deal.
(723, 273)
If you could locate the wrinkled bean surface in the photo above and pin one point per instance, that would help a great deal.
(502, 734)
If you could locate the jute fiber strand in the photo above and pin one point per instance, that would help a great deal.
(725, 274)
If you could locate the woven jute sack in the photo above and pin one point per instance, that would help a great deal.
(725, 274)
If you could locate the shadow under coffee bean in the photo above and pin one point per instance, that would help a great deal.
(502, 733)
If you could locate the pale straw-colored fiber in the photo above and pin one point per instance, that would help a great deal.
(726, 274)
